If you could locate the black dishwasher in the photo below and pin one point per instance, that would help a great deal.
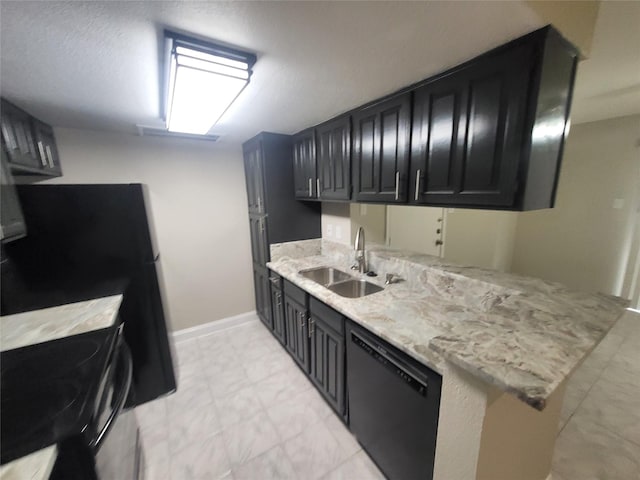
(394, 403)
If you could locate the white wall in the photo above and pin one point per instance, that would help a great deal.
(585, 241)
(198, 199)
(335, 221)
(483, 238)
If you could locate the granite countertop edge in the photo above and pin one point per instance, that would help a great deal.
(409, 324)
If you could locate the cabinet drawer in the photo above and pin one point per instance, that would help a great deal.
(328, 315)
(275, 280)
(296, 293)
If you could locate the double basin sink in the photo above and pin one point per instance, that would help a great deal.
(340, 282)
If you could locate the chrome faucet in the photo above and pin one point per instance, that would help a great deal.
(361, 259)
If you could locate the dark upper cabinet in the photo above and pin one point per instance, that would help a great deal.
(333, 151)
(327, 351)
(254, 177)
(259, 241)
(489, 134)
(263, 295)
(29, 144)
(47, 148)
(305, 176)
(381, 146)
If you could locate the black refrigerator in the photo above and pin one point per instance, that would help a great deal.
(88, 241)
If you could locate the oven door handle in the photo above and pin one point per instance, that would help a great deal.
(125, 358)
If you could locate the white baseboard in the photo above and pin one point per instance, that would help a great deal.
(214, 326)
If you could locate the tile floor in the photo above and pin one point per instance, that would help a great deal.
(245, 411)
(599, 431)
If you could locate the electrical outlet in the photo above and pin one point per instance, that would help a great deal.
(329, 230)
(338, 232)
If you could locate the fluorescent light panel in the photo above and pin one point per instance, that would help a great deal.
(203, 83)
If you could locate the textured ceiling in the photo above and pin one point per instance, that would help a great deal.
(96, 64)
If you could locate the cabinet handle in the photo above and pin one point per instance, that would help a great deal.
(417, 185)
(262, 225)
(397, 184)
(318, 187)
(310, 188)
(278, 300)
(49, 155)
(439, 242)
(301, 321)
(311, 329)
(43, 157)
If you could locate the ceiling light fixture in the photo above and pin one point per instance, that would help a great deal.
(202, 80)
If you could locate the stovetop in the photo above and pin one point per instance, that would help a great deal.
(49, 391)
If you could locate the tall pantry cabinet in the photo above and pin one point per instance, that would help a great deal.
(275, 215)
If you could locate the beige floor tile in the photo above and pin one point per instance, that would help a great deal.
(357, 467)
(249, 439)
(314, 452)
(271, 465)
(201, 460)
(586, 451)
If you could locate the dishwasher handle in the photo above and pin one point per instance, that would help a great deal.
(391, 363)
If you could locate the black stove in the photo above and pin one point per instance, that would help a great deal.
(49, 391)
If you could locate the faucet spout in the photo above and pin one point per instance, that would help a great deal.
(359, 247)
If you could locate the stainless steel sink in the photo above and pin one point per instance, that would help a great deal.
(354, 288)
(325, 276)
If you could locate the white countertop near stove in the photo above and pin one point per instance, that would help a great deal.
(37, 326)
(35, 466)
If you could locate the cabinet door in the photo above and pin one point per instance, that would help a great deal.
(327, 362)
(259, 240)
(297, 332)
(304, 165)
(334, 158)
(263, 297)
(381, 135)
(254, 176)
(46, 145)
(17, 135)
(277, 307)
(494, 125)
(466, 142)
(437, 141)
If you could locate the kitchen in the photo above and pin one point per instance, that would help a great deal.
(197, 189)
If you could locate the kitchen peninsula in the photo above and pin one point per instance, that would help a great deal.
(492, 336)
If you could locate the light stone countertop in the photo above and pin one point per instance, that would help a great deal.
(35, 466)
(523, 335)
(47, 324)
(37, 326)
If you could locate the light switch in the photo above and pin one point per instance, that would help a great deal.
(329, 230)
(618, 203)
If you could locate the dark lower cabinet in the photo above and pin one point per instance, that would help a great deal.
(263, 295)
(297, 332)
(326, 332)
(277, 307)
